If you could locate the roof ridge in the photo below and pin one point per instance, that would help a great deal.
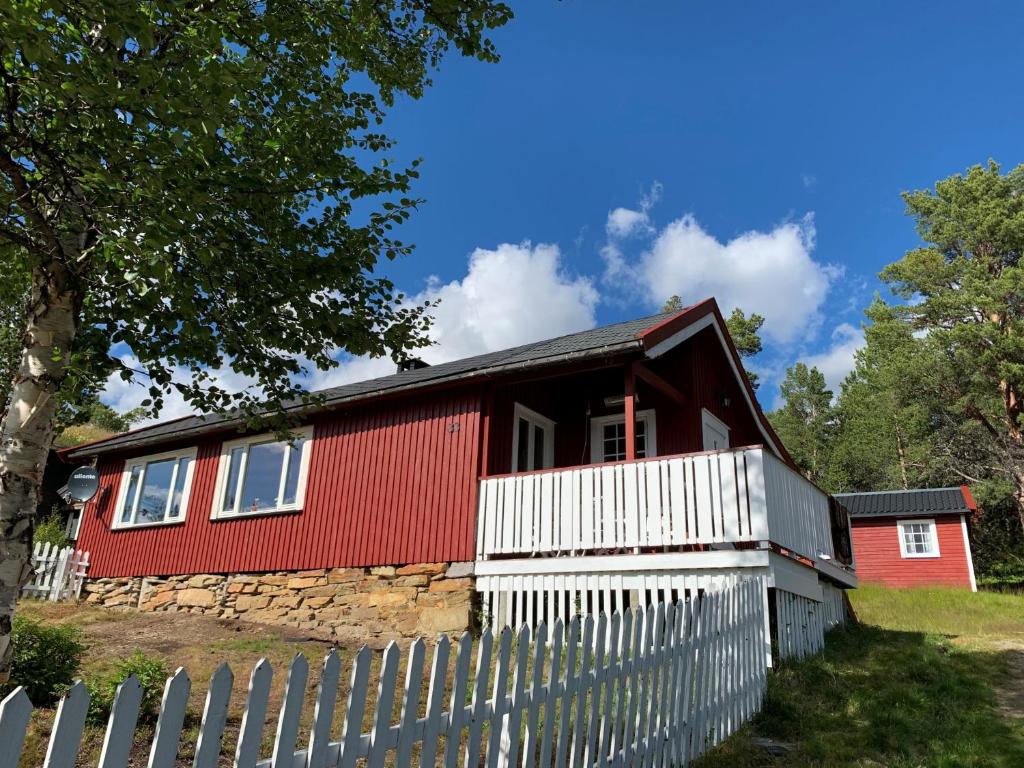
(899, 490)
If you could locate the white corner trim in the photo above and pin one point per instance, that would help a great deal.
(967, 550)
(930, 522)
(223, 463)
(678, 338)
(707, 321)
(596, 436)
(144, 461)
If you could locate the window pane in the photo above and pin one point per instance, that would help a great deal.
(291, 483)
(917, 539)
(538, 448)
(263, 469)
(156, 488)
(523, 446)
(179, 487)
(129, 498)
(231, 486)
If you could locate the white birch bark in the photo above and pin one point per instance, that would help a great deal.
(27, 432)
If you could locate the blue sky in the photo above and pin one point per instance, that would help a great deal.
(757, 151)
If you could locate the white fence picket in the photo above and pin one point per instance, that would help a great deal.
(124, 716)
(648, 688)
(68, 725)
(215, 715)
(291, 711)
(15, 711)
(172, 717)
(323, 712)
(253, 720)
(57, 574)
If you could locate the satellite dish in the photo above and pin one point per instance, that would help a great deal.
(82, 484)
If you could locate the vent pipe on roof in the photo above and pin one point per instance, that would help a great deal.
(411, 364)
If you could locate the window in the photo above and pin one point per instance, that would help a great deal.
(154, 489)
(608, 437)
(918, 538)
(533, 440)
(262, 474)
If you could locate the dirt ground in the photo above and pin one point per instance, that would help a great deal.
(1010, 692)
(199, 644)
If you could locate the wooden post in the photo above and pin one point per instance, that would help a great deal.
(487, 406)
(630, 414)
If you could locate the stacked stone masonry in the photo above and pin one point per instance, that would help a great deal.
(365, 605)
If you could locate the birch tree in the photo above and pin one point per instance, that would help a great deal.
(194, 185)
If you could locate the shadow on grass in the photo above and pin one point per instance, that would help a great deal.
(879, 697)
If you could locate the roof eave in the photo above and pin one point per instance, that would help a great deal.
(107, 446)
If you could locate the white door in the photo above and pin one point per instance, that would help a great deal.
(716, 433)
(533, 440)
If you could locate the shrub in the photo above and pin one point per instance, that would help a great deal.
(51, 530)
(45, 661)
(151, 674)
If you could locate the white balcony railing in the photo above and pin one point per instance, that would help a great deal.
(733, 496)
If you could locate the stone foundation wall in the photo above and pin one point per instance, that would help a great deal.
(366, 605)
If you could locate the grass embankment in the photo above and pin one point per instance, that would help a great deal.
(930, 677)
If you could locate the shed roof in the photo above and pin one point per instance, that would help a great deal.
(913, 503)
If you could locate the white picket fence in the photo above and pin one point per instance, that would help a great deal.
(801, 623)
(58, 572)
(643, 688)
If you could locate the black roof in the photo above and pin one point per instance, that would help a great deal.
(608, 339)
(914, 503)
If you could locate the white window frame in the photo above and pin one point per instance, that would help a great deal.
(932, 530)
(598, 423)
(224, 463)
(520, 411)
(707, 418)
(126, 474)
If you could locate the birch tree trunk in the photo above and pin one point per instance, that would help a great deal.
(27, 431)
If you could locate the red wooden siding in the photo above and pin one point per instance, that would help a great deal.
(876, 547)
(388, 484)
(698, 368)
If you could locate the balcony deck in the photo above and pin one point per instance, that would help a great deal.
(733, 499)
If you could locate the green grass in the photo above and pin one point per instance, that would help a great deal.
(980, 617)
(912, 685)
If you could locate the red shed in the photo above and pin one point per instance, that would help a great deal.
(913, 538)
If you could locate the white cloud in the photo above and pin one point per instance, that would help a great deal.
(808, 179)
(838, 360)
(771, 273)
(511, 295)
(627, 222)
(623, 222)
(123, 395)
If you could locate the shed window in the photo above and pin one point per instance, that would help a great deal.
(918, 538)
(154, 489)
(262, 474)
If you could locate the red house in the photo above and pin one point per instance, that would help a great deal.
(913, 538)
(590, 472)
